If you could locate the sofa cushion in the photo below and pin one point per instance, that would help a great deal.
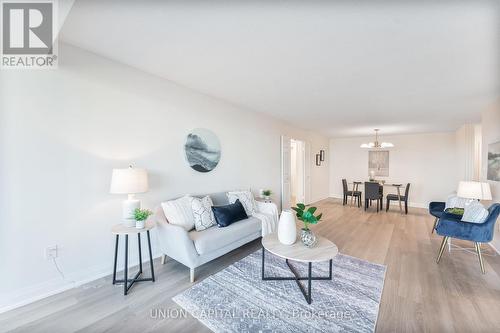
(246, 199)
(214, 238)
(202, 210)
(179, 212)
(228, 214)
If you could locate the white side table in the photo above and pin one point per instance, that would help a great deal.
(121, 230)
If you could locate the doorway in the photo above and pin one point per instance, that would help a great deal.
(295, 175)
(297, 172)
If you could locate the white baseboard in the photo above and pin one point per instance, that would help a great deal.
(46, 289)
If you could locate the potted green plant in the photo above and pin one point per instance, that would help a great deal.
(140, 216)
(307, 217)
(267, 194)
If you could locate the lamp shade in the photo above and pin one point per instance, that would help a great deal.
(129, 181)
(474, 190)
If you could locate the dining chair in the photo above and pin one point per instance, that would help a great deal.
(372, 192)
(394, 197)
(347, 193)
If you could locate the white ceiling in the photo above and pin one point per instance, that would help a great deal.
(340, 67)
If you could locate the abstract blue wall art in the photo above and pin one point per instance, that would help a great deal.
(202, 150)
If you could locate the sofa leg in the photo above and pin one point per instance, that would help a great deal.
(441, 249)
(191, 275)
(163, 259)
(478, 250)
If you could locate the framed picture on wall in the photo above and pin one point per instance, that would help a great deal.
(318, 160)
(494, 161)
(378, 162)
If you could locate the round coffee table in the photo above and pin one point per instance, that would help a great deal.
(323, 250)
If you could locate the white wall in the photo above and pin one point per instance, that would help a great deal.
(427, 161)
(467, 164)
(62, 132)
(490, 129)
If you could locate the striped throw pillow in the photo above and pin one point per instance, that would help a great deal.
(475, 212)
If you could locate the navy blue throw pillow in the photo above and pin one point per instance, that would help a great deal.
(225, 215)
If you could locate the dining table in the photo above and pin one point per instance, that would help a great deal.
(398, 186)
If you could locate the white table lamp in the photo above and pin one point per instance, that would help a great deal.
(129, 181)
(474, 190)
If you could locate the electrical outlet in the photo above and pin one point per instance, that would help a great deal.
(51, 252)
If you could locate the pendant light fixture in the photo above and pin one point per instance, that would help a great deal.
(376, 143)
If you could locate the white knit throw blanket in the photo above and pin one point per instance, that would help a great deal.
(268, 215)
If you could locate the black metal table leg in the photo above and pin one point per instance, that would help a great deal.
(263, 252)
(140, 253)
(308, 297)
(125, 271)
(127, 281)
(151, 258)
(116, 257)
(297, 278)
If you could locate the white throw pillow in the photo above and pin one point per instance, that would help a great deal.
(202, 210)
(475, 212)
(179, 212)
(246, 199)
(454, 201)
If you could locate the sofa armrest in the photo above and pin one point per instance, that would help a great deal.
(268, 208)
(174, 241)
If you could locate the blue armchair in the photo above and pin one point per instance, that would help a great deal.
(449, 225)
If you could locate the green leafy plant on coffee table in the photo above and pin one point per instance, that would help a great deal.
(142, 214)
(307, 215)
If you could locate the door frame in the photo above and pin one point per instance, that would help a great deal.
(286, 171)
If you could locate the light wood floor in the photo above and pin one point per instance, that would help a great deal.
(419, 295)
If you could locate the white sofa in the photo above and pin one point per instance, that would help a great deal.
(194, 248)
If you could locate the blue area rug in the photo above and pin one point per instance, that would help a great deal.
(237, 300)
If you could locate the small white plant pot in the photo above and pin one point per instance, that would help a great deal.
(140, 224)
